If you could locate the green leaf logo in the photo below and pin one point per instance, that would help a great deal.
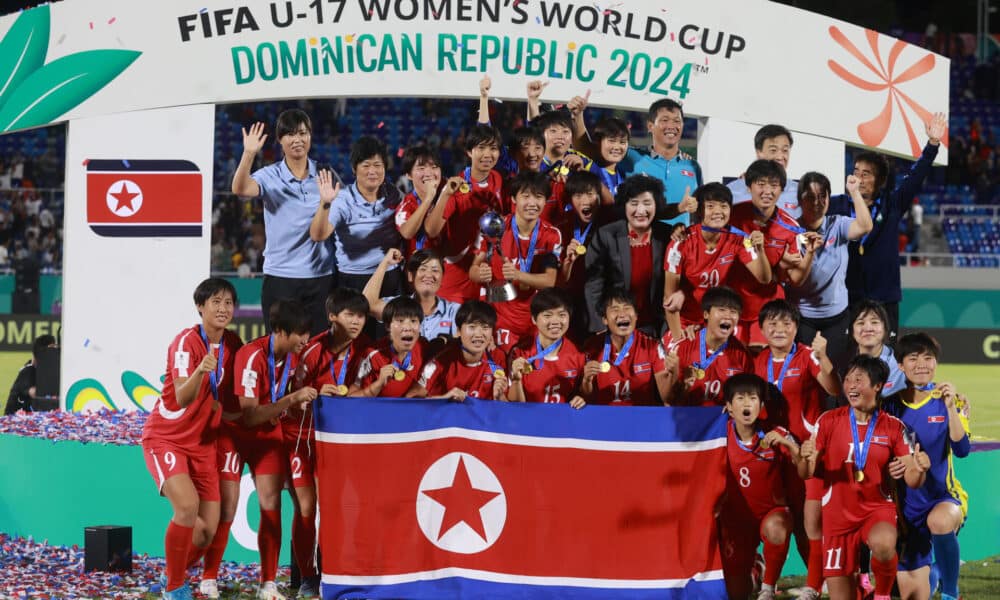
(33, 93)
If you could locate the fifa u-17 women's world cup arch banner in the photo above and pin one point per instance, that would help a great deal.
(752, 61)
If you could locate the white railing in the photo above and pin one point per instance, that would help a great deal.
(968, 211)
(947, 259)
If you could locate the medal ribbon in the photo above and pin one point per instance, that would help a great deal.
(406, 361)
(275, 386)
(541, 353)
(784, 367)
(215, 377)
(581, 235)
(874, 211)
(728, 229)
(525, 262)
(736, 436)
(703, 362)
(621, 354)
(339, 377)
(861, 451)
(486, 355)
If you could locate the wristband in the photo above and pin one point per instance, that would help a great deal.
(326, 205)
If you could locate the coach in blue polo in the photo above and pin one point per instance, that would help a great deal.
(295, 266)
(680, 174)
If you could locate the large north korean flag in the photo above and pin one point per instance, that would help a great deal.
(144, 198)
(432, 499)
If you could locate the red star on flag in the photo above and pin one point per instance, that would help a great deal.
(124, 198)
(461, 502)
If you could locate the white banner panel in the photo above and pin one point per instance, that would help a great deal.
(138, 205)
(750, 61)
(725, 149)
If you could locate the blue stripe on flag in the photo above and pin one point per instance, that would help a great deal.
(601, 423)
(469, 589)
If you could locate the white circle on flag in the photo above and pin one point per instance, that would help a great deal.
(124, 197)
(461, 506)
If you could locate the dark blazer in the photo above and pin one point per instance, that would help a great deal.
(609, 264)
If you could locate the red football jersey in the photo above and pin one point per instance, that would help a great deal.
(254, 380)
(849, 502)
(515, 315)
(631, 382)
(778, 239)
(383, 355)
(700, 268)
(554, 378)
(449, 370)
(553, 209)
(197, 423)
(754, 484)
(457, 240)
(404, 211)
(802, 392)
(707, 391)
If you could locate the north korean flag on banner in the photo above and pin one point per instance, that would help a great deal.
(144, 198)
(428, 499)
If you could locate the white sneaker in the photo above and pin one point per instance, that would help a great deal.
(808, 593)
(269, 591)
(766, 593)
(209, 588)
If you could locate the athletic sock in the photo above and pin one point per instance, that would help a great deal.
(946, 557)
(774, 560)
(195, 553)
(213, 556)
(885, 574)
(176, 543)
(815, 577)
(304, 544)
(269, 543)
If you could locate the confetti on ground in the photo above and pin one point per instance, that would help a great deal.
(121, 428)
(30, 569)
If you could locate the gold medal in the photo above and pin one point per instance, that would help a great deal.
(581, 249)
(605, 367)
(859, 476)
(499, 374)
(765, 444)
(562, 170)
(699, 373)
(861, 250)
(399, 375)
(464, 188)
(342, 390)
(747, 243)
(527, 369)
(936, 394)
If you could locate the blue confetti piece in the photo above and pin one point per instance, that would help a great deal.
(203, 11)
(538, 20)
(86, 342)
(126, 163)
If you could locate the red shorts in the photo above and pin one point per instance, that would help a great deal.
(164, 460)
(227, 457)
(740, 538)
(301, 453)
(261, 450)
(840, 552)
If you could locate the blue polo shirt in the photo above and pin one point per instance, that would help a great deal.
(823, 294)
(440, 322)
(788, 201)
(897, 380)
(289, 206)
(875, 274)
(676, 174)
(363, 231)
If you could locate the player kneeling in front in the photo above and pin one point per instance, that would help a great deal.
(934, 512)
(756, 507)
(851, 452)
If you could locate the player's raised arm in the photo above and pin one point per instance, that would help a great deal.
(253, 141)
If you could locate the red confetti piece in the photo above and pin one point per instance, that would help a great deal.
(706, 60)
(558, 106)
(671, 36)
(91, 24)
(85, 161)
(400, 153)
(380, 124)
(111, 20)
(629, 125)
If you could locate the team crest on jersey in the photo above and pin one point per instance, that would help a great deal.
(570, 373)
(882, 440)
(830, 241)
(725, 259)
(445, 323)
(888, 385)
(642, 368)
(936, 419)
(771, 243)
(731, 372)
(789, 205)
(687, 173)
(793, 373)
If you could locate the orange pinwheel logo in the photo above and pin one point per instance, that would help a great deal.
(873, 132)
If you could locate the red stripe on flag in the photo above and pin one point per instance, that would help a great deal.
(166, 197)
(572, 513)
